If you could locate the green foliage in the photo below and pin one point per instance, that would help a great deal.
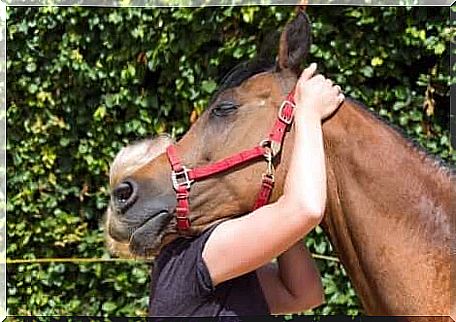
(396, 61)
(83, 82)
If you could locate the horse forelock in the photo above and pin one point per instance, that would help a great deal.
(134, 156)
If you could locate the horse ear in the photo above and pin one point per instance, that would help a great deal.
(268, 48)
(294, 43)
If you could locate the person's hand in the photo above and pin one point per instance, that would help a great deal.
(316, 94)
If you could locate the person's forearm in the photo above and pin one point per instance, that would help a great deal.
(305, 185)
(299, 274)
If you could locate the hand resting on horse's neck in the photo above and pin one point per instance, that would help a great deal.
(298, 211)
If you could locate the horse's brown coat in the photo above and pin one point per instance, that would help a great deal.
(388, 212)
(389, 215)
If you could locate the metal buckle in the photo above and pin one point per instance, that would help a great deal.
(181, 178)
(281, 116)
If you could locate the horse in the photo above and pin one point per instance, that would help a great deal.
(388, 215)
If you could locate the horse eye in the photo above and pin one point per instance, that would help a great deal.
(224, 108)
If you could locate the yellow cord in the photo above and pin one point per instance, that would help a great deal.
(10, 261)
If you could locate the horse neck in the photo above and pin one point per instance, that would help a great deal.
(388, 215)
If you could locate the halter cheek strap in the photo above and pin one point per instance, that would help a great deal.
(183, 178)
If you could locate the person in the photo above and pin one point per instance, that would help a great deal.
(228, 269)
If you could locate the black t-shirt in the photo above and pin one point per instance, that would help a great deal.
(181, 285)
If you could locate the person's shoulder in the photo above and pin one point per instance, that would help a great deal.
(184, 244)
(197, 243)
(182, 261)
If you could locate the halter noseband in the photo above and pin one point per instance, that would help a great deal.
(183, 177)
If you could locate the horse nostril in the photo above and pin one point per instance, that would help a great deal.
(123, 194)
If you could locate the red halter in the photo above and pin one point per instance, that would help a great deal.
(182, 177)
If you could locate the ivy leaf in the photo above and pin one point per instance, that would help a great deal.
(208, 86)
(109, 307)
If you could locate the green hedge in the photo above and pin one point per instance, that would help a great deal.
(83, 82)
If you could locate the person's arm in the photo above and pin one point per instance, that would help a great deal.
(244, 244)
(293, 284)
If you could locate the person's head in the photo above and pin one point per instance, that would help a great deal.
(129, 160)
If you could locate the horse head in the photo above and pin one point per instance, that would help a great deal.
(141, 214)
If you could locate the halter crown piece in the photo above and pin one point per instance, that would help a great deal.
(183, 177)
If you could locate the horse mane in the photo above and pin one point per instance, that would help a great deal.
(434, 160)
(265, 61)
(243, 71)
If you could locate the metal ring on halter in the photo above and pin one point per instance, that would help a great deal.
(268, 152)
(265, 143)
(273, 146)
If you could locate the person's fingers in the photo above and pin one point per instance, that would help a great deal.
(308, 72)
(341, 98)
(329, 82)
(319, 78)
(338, 88)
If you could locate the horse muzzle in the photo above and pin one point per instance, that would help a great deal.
(139, 214)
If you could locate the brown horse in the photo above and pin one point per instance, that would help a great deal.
(388, 213)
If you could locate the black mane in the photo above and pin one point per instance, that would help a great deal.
(242, 72)
(265, 61)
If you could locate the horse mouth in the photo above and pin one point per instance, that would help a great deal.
(146, 238)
